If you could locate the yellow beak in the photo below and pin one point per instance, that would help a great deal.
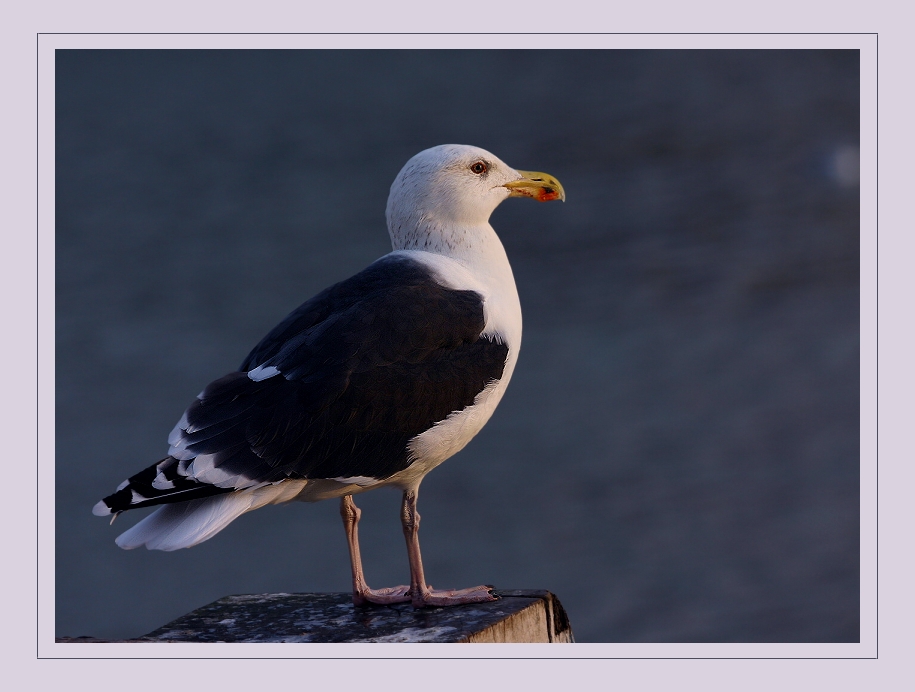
(540, 186)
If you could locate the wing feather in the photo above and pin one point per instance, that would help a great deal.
(363, 367)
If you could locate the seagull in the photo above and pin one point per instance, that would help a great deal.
(373, 382)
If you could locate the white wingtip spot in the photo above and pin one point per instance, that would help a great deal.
(123, 485)
(161, 483)
(101, 509)
(262, 372)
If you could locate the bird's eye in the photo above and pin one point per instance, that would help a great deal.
(479, 167)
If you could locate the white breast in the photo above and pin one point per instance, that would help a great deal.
(502, 312)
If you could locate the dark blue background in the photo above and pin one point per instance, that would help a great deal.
(677, 457)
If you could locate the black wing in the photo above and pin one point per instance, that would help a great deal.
(360, 369)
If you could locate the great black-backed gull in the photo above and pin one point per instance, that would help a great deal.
(373, 382)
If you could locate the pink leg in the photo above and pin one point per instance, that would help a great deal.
(362, 594)
(423, 594)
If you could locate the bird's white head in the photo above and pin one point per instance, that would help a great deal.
(442, 194)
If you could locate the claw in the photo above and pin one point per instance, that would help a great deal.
(449, 597)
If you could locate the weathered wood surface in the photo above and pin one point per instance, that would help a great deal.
(518, 616)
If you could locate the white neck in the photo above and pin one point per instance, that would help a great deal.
(467, 243)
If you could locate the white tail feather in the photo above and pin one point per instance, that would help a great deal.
(185, 524)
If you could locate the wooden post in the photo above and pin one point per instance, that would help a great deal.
(518, 616)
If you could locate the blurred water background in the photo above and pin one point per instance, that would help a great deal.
(677, 456)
